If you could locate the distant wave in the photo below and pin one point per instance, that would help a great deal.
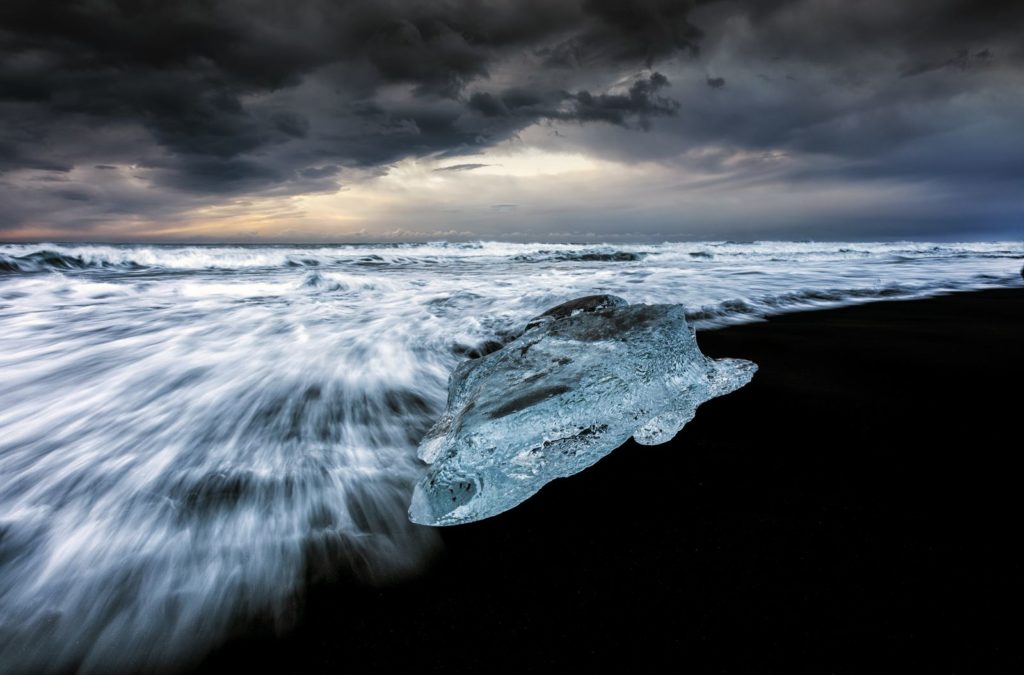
(48, 260)
(34, 258)
(580, 256)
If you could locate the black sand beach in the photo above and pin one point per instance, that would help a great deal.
(854, 509)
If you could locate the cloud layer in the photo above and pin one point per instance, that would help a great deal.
(145, 113)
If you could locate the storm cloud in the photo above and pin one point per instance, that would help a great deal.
(191, 103)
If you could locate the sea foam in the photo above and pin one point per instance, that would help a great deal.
(188, 434)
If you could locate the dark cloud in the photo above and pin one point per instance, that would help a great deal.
(643, 30)
(204, 99)
(641, 102)
(320, 171)
(820, 91)
(633, 107)
(206, 174)
(462, 167)
(222, 88)
(963, 59)
(489, 105)
(898, 36)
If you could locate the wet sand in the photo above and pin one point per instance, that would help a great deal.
(853, 509)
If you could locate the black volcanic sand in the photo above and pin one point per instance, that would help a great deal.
(854, 509)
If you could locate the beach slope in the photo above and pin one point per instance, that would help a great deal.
(852, 509)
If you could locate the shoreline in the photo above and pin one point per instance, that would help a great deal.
(849, 509)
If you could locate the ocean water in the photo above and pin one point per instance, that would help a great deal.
(190, 434)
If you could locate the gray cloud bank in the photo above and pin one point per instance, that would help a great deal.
(147, 109)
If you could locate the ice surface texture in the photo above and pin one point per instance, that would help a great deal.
(581, 379)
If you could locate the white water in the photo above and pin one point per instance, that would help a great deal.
(189, 434)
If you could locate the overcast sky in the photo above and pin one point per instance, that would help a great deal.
(327, 120)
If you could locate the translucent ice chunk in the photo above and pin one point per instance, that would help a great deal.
(581, 379)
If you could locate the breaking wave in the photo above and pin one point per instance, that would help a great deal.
(32, 258)
(580, 256)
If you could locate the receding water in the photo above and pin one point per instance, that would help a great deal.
(189, 434)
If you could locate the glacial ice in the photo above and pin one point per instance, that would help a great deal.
(578, 382)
